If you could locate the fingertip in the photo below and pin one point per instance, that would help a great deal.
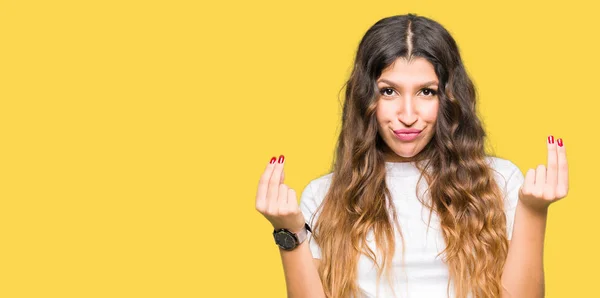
(271, 165)
(530, 174)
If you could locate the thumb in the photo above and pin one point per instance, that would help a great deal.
(521, 192)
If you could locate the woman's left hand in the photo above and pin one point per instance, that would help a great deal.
(545, 186)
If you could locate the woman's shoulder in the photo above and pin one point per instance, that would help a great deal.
(321, 184)
(504, 170)
(314, 193)
(501, 164)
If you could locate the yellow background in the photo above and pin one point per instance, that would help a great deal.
(133, 133)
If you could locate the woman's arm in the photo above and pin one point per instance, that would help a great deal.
(278, 203)
(523, 274)
(301, 276)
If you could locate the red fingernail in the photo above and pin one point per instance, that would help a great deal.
(273, 160)
(281, 158)
(560, 143)
(551, 140)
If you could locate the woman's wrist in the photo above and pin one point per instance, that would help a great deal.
(535, 210)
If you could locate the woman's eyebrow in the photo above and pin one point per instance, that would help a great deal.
(426, 84)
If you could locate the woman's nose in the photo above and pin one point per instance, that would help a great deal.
(406, 111)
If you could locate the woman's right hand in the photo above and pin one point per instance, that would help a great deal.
(276, 201)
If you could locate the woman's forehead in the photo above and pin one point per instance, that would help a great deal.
(418, 71)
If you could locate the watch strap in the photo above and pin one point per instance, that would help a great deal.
(303, 233)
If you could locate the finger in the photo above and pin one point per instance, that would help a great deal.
(263, 184)
(529, 182)
(274, 181)
(282, 199)
(292, 200)
(563, 170)
(282, 176)
(540, 178)
(552, 170)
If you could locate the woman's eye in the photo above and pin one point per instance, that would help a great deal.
(428, 92)
(389, 91)
(384, 91)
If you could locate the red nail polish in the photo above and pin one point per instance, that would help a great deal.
(273, 160)
(551, 140)
(281, 158)
(560, 143)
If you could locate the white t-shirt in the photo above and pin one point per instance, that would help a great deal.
(425, 274)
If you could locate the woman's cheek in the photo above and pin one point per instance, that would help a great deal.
(431, 112)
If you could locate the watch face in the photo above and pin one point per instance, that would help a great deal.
(285, 240)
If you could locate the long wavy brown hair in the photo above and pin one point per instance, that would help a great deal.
(462, 190)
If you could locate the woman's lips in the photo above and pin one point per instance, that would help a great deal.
(407, 130)
(407, 137)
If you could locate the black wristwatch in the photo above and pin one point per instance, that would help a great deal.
(289, 240)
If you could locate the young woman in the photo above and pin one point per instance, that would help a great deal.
(413, 206)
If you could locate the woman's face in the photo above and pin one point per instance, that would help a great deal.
(408, 100)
